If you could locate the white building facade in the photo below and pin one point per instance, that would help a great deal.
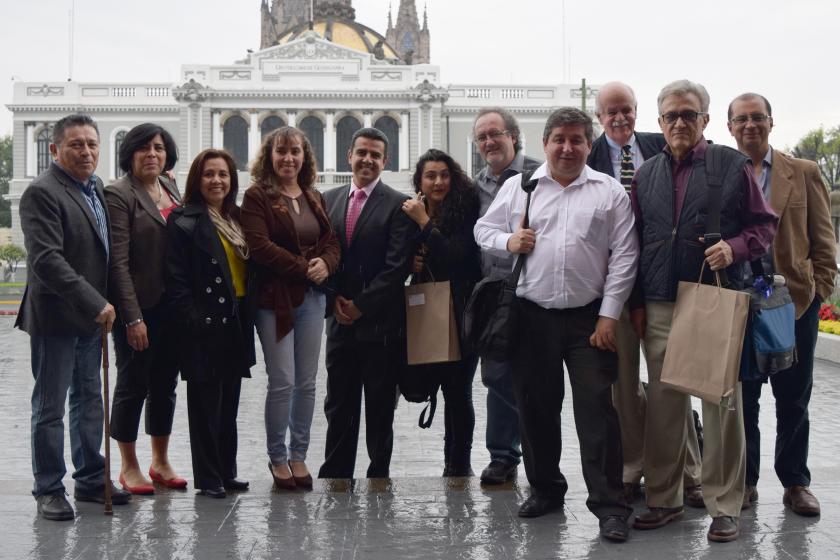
(327, 88)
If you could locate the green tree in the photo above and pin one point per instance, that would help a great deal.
(823, 147)
(11, 256)
(5, 179)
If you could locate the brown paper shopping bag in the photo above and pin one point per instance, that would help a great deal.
(431, 332)
(703, 355)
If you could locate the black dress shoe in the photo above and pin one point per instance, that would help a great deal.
(217, 493)
(614, 528)
(236, 485)
(499, 471)
(537, 505)
(55, 507)
(119, 497)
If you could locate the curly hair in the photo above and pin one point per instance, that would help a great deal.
(462, 201)
(262, 170)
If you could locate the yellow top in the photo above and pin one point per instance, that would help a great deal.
(237, 268)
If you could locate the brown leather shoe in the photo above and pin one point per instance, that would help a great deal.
(693, 496)
(750, 496)
(657, 517)
(724, 529)
(802, 501)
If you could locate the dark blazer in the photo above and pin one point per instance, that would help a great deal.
(374, 266)
(138, 246)
(651, 143)
(199, 288)
(67, 262)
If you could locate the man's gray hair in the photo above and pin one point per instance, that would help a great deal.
(511, 124)
(70, 121)
(608, 86)
(568, 115)
(682, 88)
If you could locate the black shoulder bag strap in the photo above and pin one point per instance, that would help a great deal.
(528, 185)
(714, 184)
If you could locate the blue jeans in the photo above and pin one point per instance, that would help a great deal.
(291, 365)
(503, 441)
(59, 364)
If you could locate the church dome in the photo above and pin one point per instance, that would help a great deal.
(346, 33)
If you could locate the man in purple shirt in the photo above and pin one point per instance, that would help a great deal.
(670, 200)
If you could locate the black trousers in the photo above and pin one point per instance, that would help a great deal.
(792, 392)
(547, 339)
(212, 406)
(351, 367)
(458, 413)
(148, 377)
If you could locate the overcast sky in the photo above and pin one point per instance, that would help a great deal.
(784, 50)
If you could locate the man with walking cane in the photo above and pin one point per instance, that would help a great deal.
(65, 226)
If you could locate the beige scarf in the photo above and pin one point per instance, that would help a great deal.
(231, 230)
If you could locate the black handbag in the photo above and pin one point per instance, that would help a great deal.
(490, 316)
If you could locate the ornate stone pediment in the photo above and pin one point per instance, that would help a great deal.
(310, 47)
(191, 91)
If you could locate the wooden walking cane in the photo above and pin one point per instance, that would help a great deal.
(106, 395)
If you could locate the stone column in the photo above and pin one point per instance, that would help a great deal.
(469, 158)
(254, 136)
(368, 119)
(218, 132)
(292, 117)
(329, 143)
(403, 155)
(31, 150)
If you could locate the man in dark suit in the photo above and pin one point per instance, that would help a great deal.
(65, 226)
(618, 152)
(803, 252)
(366, 324)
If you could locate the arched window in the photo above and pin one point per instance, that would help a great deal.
(313, 129)
(118, 140)
(408, 43)
(477, 161)
(270, 124)
(236, 140)
(344, 131)
(43, 150)
(392, 130)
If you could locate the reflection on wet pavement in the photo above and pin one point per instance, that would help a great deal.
(415, 514)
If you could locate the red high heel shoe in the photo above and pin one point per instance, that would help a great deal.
(177, 483)
(141, 490)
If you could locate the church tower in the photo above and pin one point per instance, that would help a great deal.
(286, 14)
(407, 37)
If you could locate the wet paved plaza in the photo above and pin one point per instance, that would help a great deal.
(415, 514)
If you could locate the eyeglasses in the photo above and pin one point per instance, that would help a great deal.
(757, 118)
(495, 135)
(687, 116)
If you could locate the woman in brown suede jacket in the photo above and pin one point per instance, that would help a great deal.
(295, 250)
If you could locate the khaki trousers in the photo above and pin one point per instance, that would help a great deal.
(724, 451)
(630, 403)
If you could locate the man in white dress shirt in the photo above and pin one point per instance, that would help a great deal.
(581, 265)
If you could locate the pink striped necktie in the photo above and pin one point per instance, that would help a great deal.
(357, 199)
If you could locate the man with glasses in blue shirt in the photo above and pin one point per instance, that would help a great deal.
(670, 199)
(64, 309)
(497, 136)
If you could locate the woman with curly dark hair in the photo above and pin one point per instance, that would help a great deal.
(294, 249)
(446, 209)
